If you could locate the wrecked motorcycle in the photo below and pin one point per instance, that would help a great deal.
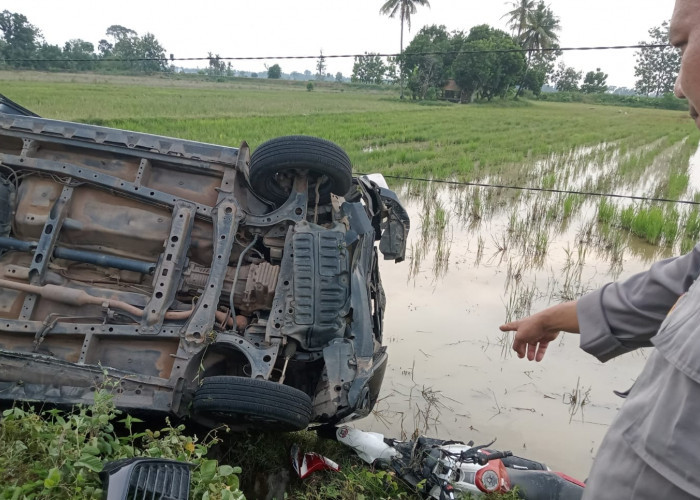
(437, 468)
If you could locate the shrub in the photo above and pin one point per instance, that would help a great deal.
(668, 101)
(58, 455)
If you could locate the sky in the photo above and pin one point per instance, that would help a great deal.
(251, 28)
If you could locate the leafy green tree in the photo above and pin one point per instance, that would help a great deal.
(217, 67)
(104, 48)
(133, 52)
(152, 53)
(20, 40)
(534, 79)
(120, 33)
(483, 73)
(338, 77)
(427, 60)
(80, 55)
(391, 75)
(274, 72)
(517, 16)
(50, 57)
(405, 9)
(657, 67)
(369, 68)
(566, 78)
(595, 82)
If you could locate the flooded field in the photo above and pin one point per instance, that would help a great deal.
(478, 257)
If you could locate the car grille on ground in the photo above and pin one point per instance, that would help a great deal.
(147, 479)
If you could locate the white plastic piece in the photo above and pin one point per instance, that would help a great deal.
(378, 179)
(369, 446)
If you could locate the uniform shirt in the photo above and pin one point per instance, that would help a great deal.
(661, 417)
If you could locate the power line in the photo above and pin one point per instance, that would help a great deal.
(546, 190)
(338, 56)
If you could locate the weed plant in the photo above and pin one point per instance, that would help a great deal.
(58, 455)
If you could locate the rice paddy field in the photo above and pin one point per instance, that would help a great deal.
(518, 205)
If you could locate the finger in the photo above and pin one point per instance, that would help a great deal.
(509, 327)
(541, 350)
(519, 347)
(531, 350)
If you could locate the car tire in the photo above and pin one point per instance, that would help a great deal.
(247, 402)
(273, 161)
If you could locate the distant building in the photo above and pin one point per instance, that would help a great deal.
(451, 91)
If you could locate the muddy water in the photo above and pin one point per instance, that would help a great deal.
(452, 373)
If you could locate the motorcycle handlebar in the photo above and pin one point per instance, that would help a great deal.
(499, 454)
(482, 458)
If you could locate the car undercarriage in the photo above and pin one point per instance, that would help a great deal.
(209, 283)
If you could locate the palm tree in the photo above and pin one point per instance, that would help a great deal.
(405, 9)
(540, 32)
(518, 16)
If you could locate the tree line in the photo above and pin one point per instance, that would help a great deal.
(22, 46)
(483, 63)
(487, 62)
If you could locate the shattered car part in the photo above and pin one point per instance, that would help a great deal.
(153, 261)
(304, 464)
(147, 479)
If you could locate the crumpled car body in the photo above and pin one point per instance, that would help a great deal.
(211, 284)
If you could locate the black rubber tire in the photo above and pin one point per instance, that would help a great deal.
(247, 402)
(283, 155)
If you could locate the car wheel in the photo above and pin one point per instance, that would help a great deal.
(252, 403)
(275, 162)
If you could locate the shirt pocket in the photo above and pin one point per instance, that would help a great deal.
(678, 338)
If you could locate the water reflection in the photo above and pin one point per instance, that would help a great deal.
(479, 257)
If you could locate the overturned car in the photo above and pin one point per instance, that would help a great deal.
(211, 284)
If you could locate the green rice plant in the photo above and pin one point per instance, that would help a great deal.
(687, 244)
(541, 243)
(627, 217)
(691, 230)
(440, 219)
(571, 202)
(691, 227)
(553, 212)
(606, 212)
(677, 185)
(648, 224)
(467, 142)
(548, 181)
(669, 230)
(562, 142)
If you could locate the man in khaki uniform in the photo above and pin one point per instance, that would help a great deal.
(652, 449)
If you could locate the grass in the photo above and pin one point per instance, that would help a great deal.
(379, 132)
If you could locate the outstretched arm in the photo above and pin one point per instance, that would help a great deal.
(534, 333)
